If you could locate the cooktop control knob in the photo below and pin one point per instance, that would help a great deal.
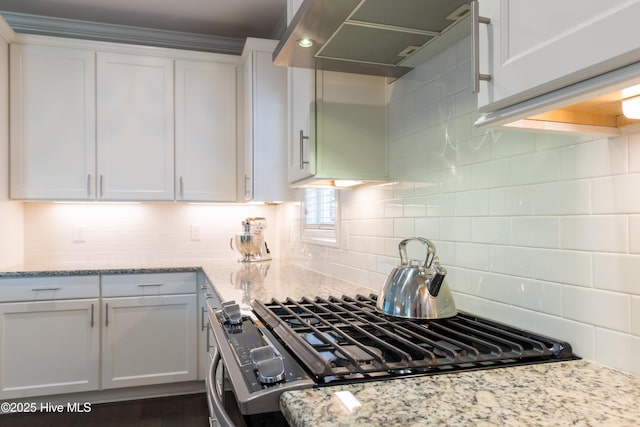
(271, 370)
(232, 313)
(268, 364)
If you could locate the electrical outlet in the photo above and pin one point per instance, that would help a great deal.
(196, 233)
(78, 233)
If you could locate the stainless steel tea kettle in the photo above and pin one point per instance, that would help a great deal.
(417, 290)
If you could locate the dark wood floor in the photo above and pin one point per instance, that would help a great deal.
(187, 411)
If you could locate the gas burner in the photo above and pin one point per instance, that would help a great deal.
(294, 322)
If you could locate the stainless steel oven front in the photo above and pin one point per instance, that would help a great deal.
(249, 370)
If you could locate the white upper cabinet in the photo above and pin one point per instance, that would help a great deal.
(302, 110)
(302, 138)
(52, 123)
(205, 131)
(95, 121)
(534, 47)
(265, 124)
(338, 128)
(135, 127)
(337, 125)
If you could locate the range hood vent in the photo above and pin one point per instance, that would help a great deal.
(374, 37)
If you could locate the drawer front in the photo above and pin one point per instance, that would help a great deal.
(123, 285)
(48, 288)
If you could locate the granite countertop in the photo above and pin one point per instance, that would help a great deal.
(564, 393)
(578, 393)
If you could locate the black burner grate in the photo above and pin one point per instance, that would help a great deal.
(347, 338)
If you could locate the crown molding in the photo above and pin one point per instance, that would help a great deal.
(6, 32)
(87, 30)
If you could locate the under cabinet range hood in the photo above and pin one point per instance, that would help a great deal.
(375, 37)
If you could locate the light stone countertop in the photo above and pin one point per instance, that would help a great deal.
(579, 393)
(573, 393)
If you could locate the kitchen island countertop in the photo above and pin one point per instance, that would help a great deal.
(566, 393)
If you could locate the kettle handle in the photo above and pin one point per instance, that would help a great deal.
(431, 251)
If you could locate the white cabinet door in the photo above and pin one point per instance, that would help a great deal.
(49, 347)
(205, 131)
(302, 112)
(149, 340)
(265, 124)
(135, 127)
(52, 123)
(533, 47)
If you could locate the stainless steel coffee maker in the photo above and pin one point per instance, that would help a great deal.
(250, 243)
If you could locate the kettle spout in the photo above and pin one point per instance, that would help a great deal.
(437, 279)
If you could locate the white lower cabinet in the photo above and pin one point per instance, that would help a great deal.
(58, 336)
(48, 345)
(149, 340)
(149, 329)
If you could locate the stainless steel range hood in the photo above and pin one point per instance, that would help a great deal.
(375, 37)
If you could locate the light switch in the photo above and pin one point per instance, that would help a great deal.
(196, 233)
(78, 233)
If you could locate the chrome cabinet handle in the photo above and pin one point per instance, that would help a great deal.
(302, 138)
(181, 188)
(45, 289)
(204, 309)
(101, 185)
(476, 20)
(106, 314)
(89, 186)
(247, 180)
(92, 318)
(146, 285)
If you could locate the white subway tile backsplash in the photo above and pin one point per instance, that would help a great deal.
(593, 159)
(510, 143)
(635, 316)
(403, 227)
(616, 194)
(538, 167)
(617, 272)
(595, 307)
(572, 267)
(634, 153)
(537, 232)
(544, 297)
(617, 350)
(472, 203)
(428, 228)
(495, 230)
(455, 179)
(472, 256)
(562, 198)
(492, 286)
(595, 233)
(512, 260)
(455, 229)
(512, 201)
(441, 205)
(634, 234)
(490, 174)
(415, 207)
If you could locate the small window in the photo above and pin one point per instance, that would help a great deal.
(320, 215)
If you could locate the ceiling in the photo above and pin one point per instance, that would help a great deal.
(222, 18)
